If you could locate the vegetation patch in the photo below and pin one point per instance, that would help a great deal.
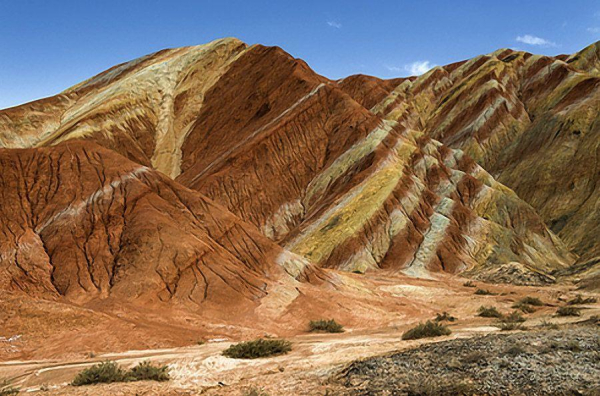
(109, 372)
(525, 308)
(6, 389)
(325, 326)
(102, 373)
(258, 348)
(425, 330)
(484, 292)
(581, 300)
(568, 311)
(444, 317)
(489, 312)
(513, 317)
(145, 371)
(549, 325)
(469, 284)
(528, 304)
(531, 301)
(508, 326)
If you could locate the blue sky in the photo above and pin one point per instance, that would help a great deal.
(47, 46)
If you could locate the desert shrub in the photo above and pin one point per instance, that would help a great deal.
(6, 389)
(258, 348)
(145, 371)
(580, 300)
(489, 312)
(108, 372)
(568, 311)
(327, 326)
(201, 342)
(469, 284)
(508, 326)
(444, 317)
(484, 292)
(531, 301)
(525, 308)
(513, 317)
(427, 329)
(105, 372)
(549, 325)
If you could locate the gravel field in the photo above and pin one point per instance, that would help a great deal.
(555, 362)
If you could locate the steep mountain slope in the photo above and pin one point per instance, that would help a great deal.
(82, 222)
(141, 109)
(353, 192)
(531, 121)
(298, 157)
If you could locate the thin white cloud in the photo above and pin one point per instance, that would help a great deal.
(394, 69)
(419, 67)
(334, 24)
(534, 40)
(593, 29)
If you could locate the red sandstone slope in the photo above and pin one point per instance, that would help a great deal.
(352, 192)
(294, 154)
(80, 221)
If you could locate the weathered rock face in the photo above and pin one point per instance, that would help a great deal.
(531, 121)
(81, 221)
(292, 170)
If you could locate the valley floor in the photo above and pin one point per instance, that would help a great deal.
(476, 356)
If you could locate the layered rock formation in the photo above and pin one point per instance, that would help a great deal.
(531, 121)
(203, 173)
(81, 221)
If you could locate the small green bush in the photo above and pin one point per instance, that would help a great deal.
(444, 317)
(145, 371)
(469, 284)
(489, 312)
(258, 348)
(508, 326)
(531, 301)
(427, 329)
(513, 317)
(525, 308)
(327, 326)
(578, 300)
(102, 373)
(484, 292)
(568, 311)
(109, 372)
(549, 325)
(6, 389)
